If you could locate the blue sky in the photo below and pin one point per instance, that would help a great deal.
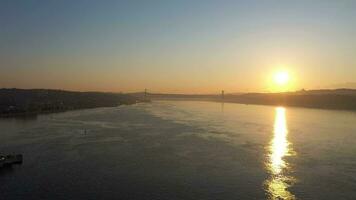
(175, 46)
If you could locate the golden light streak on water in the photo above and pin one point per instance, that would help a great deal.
(279, 181)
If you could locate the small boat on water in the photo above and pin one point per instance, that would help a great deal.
(10, 160)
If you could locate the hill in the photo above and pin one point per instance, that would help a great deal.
(339, 99)
(34, 101)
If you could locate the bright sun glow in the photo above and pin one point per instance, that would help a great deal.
(281, 77)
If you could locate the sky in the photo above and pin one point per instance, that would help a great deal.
(176, 46)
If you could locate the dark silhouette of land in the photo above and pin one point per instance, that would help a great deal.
(338, 99)
(20, 102)
(31, 102)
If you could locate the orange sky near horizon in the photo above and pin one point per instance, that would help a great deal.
(177, 46)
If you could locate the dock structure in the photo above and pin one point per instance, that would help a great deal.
(10, 160)
(222, 95)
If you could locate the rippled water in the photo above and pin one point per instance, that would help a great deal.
(182, 150)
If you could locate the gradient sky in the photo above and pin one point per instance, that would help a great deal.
(184, 46)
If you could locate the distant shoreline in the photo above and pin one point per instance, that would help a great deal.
(22, 103)
(339, 99)
(256, 104)
(33, 114)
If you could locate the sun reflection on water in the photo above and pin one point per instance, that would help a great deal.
(279, 182)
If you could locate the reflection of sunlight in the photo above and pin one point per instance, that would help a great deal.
(279, 147)
(279, 143)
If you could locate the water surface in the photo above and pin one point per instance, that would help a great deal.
(182, 150)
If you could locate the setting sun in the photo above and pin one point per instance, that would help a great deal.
(281, 77)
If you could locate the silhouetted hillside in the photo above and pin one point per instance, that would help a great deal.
(324, 101)
(19, 101)
(341, 99)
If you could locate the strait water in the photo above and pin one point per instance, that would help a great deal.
(182, 150)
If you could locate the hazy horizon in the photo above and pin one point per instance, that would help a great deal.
(177, 46)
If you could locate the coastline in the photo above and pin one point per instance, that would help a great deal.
(23, 102)
(35, 113)
(311, 101)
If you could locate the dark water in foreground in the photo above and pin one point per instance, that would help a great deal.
(182, 150)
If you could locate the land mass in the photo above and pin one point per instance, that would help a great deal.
(337, 99)
(14, 102)
(35, 101)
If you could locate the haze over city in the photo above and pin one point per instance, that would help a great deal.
(177, 46)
